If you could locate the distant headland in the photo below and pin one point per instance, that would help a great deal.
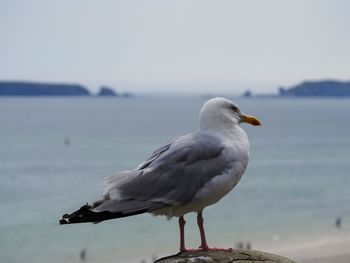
(321, 88)
(326, 88)
(41, 89)
(15, 88)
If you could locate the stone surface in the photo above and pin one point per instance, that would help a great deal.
(236, 256)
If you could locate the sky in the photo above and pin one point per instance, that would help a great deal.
(175, 46)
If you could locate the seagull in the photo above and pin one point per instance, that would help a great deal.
(185, 175)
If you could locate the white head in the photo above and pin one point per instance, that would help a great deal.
(220, 113)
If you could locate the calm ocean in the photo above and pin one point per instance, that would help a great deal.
(296, 184)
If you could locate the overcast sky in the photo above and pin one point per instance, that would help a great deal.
(168, 46)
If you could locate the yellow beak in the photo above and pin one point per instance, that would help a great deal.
(250, 119)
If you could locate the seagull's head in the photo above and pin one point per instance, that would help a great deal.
(219, 113)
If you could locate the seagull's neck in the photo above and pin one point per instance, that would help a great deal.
(224, 125)
(231, 132)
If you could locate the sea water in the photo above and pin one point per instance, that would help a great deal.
(55, 152)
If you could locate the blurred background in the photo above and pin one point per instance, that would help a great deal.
(91, 88)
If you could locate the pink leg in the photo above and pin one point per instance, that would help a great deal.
(200, 221)
(182, 223)
(204, 245)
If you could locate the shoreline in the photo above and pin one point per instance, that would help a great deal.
(328, 249)
(344, 258)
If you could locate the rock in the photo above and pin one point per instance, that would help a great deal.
(247, 94)
(237, 256)
(106, 91)
(127, 95)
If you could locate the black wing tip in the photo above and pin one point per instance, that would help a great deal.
(63, 221)
(86, 215)
(75, 217)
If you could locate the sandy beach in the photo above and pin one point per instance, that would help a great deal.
(333, 249)
(334, 259)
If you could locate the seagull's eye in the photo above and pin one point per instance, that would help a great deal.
(234, 108)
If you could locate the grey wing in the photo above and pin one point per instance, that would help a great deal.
(176, 172)
(156, 154)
